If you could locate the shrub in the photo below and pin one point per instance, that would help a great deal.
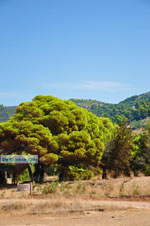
(50, 188)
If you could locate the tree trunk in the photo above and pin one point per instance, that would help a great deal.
(41, 179)
(38, 175)
(2, 178)
(30, 173)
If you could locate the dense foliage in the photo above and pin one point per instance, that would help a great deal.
(119, 151)
(60, 133)
(74, 143)
(127, 152)
(141, 158)
(134, 108)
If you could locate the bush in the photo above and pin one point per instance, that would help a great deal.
(75, 173)
(50, 188)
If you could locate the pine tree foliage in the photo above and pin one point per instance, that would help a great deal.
(60, 133)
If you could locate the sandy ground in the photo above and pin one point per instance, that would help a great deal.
(130, 214)
(82, 212)
(110, 218)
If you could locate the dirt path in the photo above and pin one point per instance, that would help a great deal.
(130, 214)
(111, 218)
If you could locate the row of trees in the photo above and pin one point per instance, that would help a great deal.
(127, 152)
(72, 141)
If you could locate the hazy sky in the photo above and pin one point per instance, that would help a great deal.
(97, 49)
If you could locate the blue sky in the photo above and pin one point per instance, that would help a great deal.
(74, 49)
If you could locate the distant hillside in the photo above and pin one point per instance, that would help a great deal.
(138, 98)
(135, 109)
(88, 103)
(6, 112)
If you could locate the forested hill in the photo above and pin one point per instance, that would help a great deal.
(135, 108)
(131, 101)
(6, 112)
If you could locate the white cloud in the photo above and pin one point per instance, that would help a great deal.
(87, 85)
(100, 85)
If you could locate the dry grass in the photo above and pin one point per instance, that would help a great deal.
(53, 205)
(56, 205)
(71, 196)
(101, 189)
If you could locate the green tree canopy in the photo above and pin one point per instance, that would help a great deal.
(119, 152)
(57, 131)
(141, 160)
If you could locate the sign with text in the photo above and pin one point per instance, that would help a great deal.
(19, 159)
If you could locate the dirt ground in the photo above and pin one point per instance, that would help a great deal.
(110, 213)
(115, 202)
(136, 217)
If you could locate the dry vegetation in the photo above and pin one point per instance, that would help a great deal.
(73, 196)
(95, 189)
(86, 203)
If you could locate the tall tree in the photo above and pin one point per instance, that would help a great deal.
(118, 153)
(60, 133)
(141, 160)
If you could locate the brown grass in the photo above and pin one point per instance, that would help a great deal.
(72, 196)
(101, 189)
(55, 206)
